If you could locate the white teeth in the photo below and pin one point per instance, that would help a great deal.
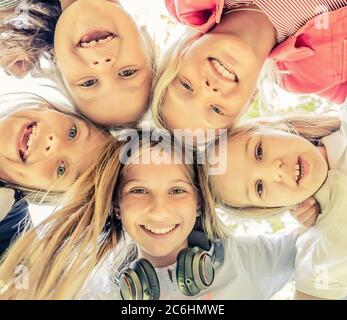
(297, 172)
(160, 230)
(224, 72)
(94, 42)
(30, 141)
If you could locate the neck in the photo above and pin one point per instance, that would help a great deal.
(162, 261)
(323, 151)
(3, 175)
(253, 27)
(65, 3)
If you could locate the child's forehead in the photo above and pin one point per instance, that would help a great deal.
(156, 173)
(255, 131)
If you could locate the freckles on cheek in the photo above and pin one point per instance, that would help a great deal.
(131, 204)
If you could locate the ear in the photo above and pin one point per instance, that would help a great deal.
(19, 66)
(198, 209)
(116, 212)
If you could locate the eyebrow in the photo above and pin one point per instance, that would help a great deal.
(173, 181)
(88, 131)
(246, 150)
(177, 97)
(247, 145)
(79, 173)
(98, 96)
(248, 193)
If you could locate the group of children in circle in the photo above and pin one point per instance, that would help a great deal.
(158, 220)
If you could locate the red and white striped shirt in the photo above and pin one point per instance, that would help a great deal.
(288, 16)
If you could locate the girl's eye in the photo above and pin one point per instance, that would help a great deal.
(177, 191)
(88, 83)
(186, 85)
(61, 170)
(217, 109)
(127, 73)
(138, 191)
(259, 188)
(73, 132)
(259, 151)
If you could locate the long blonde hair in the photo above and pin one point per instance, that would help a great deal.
(310, 127)
(14, 102)
(60, 253)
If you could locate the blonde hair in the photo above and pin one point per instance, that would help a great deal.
(310, 127)
(167, 71)
(61, 252)
(13, 102)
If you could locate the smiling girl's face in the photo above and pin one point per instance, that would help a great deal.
(104, 61)
(270, 168)
(158, 214)
(214, 83)
(46, 149)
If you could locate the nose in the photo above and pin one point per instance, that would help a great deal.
(211, 86)
(159, 211)
(278, 171)
(53, 144)
(102, 63)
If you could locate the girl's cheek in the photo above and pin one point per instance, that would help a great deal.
(132, 203)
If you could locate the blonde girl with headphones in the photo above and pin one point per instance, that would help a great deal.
(156, 217)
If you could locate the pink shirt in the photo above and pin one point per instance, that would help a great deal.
(204, 14)
(314, 59)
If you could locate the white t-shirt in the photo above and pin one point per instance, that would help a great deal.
(246, 268)
(321, 263)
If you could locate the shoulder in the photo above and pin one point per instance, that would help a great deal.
(263, 243)
(101, 284)
(7, 200)
(262, 251)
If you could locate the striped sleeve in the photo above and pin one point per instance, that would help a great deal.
(289, 16)
(8, 4)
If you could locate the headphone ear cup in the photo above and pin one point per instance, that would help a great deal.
(130, 285)
(151, 287)
(184, 272)
(139, 282)
(203, 269)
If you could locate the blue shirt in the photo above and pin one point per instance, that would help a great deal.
(14, 223)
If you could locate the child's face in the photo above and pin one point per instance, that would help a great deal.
(216, 80)
(158, 208)
(108, 80)
(270, 168)
(43, 149)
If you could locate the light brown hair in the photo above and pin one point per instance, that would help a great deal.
(61, 252)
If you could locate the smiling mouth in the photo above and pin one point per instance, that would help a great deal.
(94, 38)
(298, 171)
(26, 142)
(223, 70)
(160, 230)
